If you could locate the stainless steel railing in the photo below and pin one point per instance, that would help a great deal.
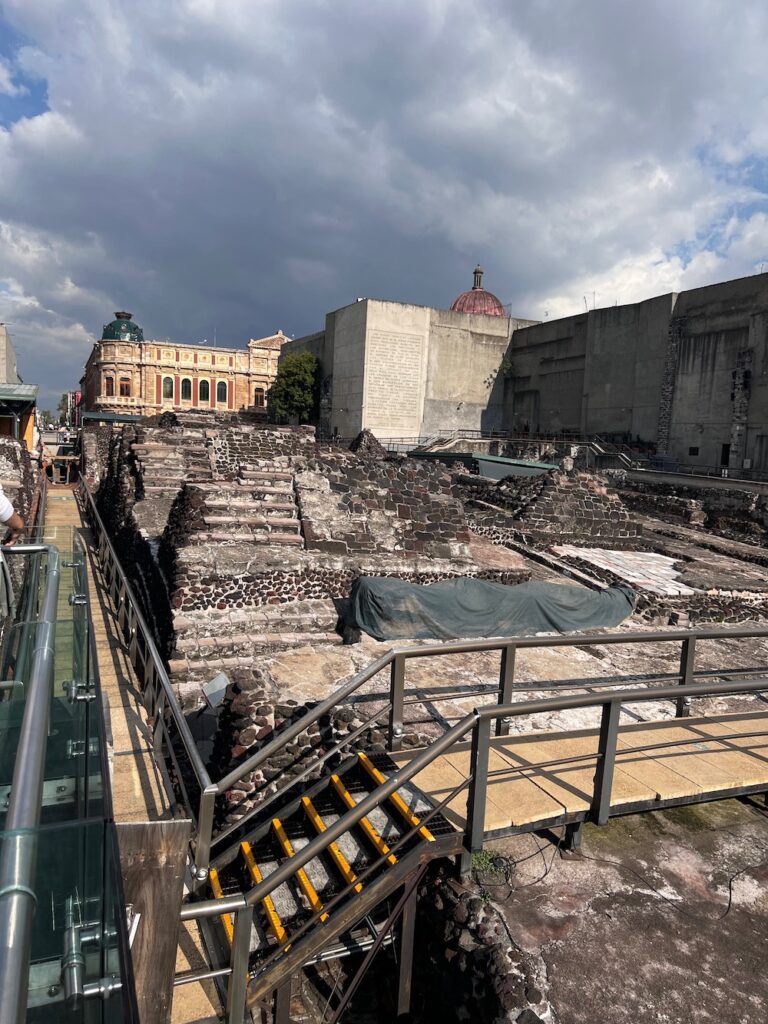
(19, 850)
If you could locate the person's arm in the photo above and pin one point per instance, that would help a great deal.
(10, 519)
(15, 527)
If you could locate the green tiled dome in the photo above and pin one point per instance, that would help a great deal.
(122, 328)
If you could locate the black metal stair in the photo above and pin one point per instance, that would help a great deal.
(358, 872)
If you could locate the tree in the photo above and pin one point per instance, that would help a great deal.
(63, 408)
(295, 394)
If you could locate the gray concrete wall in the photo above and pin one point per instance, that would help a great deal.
(625, 353)
(465, 376)
(546, 381)
(8, 371)
(397, 343)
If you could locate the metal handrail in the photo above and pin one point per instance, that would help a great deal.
(19, 851)
(157, 662)
(479, 722)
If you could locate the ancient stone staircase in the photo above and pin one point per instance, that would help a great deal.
(164, 465)
(259, 507)
(342, 892)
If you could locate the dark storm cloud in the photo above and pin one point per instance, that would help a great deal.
(246, 166)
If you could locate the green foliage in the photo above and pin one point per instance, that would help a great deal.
(295, 394)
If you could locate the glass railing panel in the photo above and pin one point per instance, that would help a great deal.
(75, 772)
(79, 906)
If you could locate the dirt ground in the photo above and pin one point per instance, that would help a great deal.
(661, 917)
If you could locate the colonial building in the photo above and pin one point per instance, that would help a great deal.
(126, 374)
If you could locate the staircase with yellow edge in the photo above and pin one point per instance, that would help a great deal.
(357, 874)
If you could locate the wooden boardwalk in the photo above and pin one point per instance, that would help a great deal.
(692, 760)
(138, 793)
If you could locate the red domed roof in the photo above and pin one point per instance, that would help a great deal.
(478, 300)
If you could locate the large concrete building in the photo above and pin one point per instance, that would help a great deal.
(687, 372)
(403, 371)
(126, 374)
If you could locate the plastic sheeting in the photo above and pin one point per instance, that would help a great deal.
(390, 609)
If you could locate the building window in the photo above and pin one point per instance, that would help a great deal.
(109, 386)
(167, 387)
(221, 392)
(693, 451)
(125, 387)
(258, 398)
(205, 391)
(186, 389)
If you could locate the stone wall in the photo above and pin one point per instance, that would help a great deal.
(553, 507)
(738, 515)
(17, 475)
(234, 447)
(95, 440)
(351, 505)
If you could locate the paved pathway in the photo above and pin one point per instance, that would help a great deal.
(137, 789)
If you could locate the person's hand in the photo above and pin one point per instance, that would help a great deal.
(11, 537)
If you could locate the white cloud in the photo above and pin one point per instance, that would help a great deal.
(7, 85)
(242, 165)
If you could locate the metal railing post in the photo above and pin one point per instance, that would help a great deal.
(606, 751)
(237, 987)
(396, 688)
(478, 791)
(204, 831)
(506, 684)
(687, 660)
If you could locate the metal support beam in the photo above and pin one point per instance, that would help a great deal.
(282, 1012)
(478, 789)
(687, 660)
(506, 684)
(609, 731)
(238, 978)
(573, 836)
(396, 688)
(405, 971)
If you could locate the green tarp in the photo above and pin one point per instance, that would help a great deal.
(389, 609)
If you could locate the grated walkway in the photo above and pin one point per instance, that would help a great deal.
(137, 788)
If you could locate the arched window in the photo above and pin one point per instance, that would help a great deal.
(109, 386)
(258, 398)
(205, 391)
(125, 387)
(221, 392)
(186, 389)
(167, 387)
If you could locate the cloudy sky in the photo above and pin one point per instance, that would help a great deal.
(240, 166)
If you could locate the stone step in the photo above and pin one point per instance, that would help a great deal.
(261, 489)
(252, 505)
(173, 487)
(264, 474)
(269, 521)
(248, 537)
(220, 662)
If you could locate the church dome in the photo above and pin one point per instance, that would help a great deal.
(478, 300)
(122, 328)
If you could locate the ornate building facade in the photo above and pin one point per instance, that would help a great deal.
(127, 374)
